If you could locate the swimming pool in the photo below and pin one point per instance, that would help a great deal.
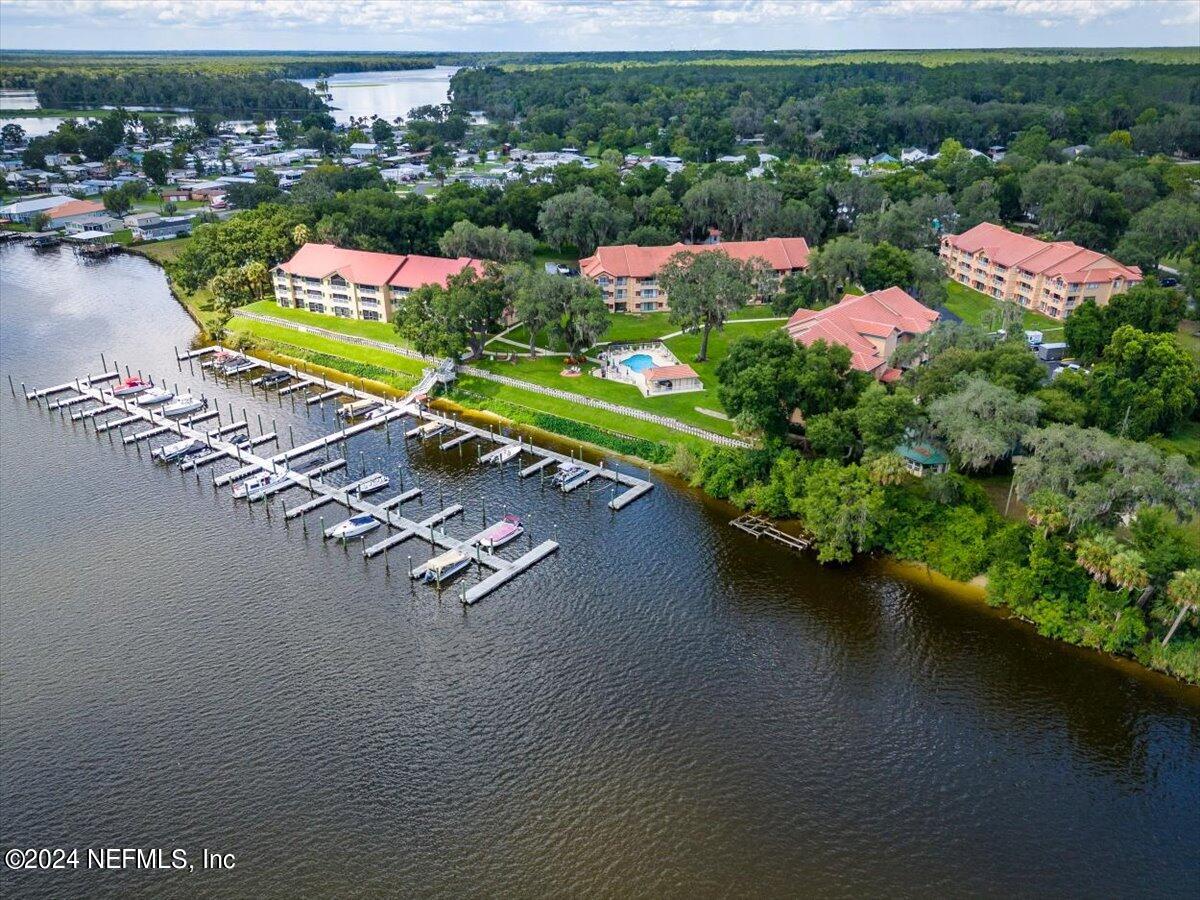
(639, 362)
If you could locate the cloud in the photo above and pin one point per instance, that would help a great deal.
(547, 24)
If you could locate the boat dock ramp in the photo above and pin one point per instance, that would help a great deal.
(760, 527)
(110, 413)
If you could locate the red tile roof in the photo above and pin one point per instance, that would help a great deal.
(879, 314)
(1060, 259)
(74, 208)
(364, 267)
(669, 373)
(632, 261)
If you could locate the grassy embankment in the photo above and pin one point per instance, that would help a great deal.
(547, 370)
(602, 428)
(970, 306)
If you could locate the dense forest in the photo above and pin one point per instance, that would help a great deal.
(240, 95)
(698, 110)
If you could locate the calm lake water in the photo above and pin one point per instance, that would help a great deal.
(386, 94)
(665, 708)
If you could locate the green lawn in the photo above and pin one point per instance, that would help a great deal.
(520, 334)
(1187, 335)
(686, 346)
(284, 339)
(379, 331)
(970, 305)
(1186, 441)
(547, 371)
(285, 335)
(544, 253)
(629, 327)
(163, 251)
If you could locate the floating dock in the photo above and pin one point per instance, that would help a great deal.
(400, 527)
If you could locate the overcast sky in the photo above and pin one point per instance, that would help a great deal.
(591, 24)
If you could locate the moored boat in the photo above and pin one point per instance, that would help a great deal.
(259, 486)
(154, 396)
(183, 405)
(503, 455)
(237, 364)
(274, 379)
(370, 485)
(179, 449)
(568, 475)
(358, 408)
(353, 527)
(131, 386)
(507, 529)
(445, 566)
(432, 429)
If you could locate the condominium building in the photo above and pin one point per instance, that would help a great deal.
(357, 284)
(1049, 278)
(871, 326)
(628, 274)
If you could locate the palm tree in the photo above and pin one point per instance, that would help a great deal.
(300, 235)
(1046, 511)
(1184, 592)
(1127, 571)
(1095, 555)
(888, 468)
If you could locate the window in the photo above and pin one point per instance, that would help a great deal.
(621, 292)
(338, 280)
(650, 293)
(369, 301)
(370, 315)
(647, 307)
(317, 307)
(622, 279)
(343, 312)
(603, 280)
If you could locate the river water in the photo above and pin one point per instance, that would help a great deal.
(664, 708)
(390, 95)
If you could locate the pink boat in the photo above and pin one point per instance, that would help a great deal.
(507, 529)
(131, 386)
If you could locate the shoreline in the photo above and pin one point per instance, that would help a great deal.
(915, 573)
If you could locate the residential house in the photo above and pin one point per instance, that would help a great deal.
(363, 151)
(405, 172)
(628, 274)
(163, 230)
(357, 284)
(176, 195)
(910, 155)
(85, 212)
(881, 158)
(92, 226)
(1076, 151)
(924, 458)
(1049, 278)
(139, 219)
(871, 326)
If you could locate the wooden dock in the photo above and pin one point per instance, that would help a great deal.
(760, 527)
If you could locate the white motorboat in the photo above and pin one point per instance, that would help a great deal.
(358, 408)
(353, 527)
(259, 486)
(507, 529)
(155, 396)
(179, 449)
(131, 386)
(183, 405)
(384, 409)
(445, 566)
(371, 484)
(568, 475)
(503, 455)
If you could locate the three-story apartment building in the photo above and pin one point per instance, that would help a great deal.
(357, 284)
(1049, 278)
(628, 274)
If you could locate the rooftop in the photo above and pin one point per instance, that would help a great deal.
(630, 260)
